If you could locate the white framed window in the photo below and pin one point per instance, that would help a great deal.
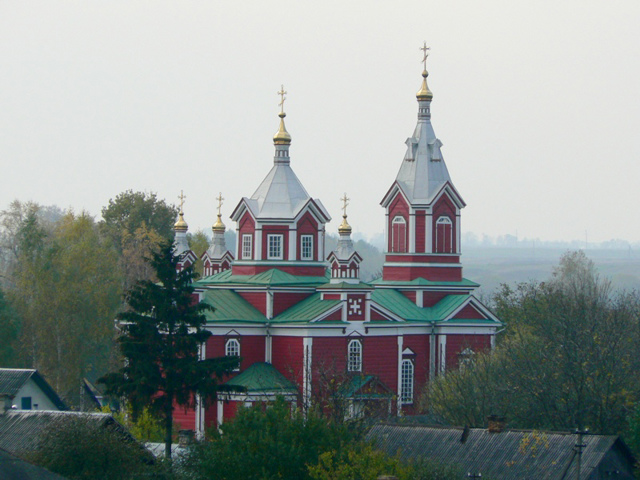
(406, 382)
(399, 235)
(306, 247)
(444, 235)
(232, 349)
(247, 246)
(354, 356)
(274, 247)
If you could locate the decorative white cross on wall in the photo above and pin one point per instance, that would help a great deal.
(354, 306)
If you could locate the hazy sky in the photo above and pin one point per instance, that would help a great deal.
(536, 103)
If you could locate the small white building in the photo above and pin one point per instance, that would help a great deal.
(28, 390)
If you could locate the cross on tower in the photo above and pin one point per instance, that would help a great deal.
(282, 94)
(182, 197)
(219, 198)
(425, 51)
(345, 202)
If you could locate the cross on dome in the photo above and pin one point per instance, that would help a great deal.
(181, 225)
(282, 94)
(219, 226)
(425, 51)
(344, 228)
(345, 203)
(182, 197)
(424, 93)
(220, 199)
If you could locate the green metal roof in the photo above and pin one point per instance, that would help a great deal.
(270, 277)
(230, 307)
(354, 386)
(345, 286)
(262, 377)
(423, 282)
(397, 303)
(305, 311)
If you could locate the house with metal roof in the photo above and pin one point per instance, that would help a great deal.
(28, 390)
(290, 310)
(507, 454)
(22, 430)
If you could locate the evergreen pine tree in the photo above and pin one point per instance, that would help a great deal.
(161, 334)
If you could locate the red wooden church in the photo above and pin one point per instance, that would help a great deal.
(298, 315)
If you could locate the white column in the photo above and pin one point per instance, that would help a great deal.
(257, 248)
(428, 239)
(419, 298)
(269, 304)
(386, 232)
(458, 236)
(412, 231)
(267, 346)
(293, 244)
(307, 345)
(399, 396)
(320, 236)
(220, 412)
(443, 353)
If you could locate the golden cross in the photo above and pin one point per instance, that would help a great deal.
(220, 199)
(425, 51)
(282, 94)
(182, 197)
(345, 202)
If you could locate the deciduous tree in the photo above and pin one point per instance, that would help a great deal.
(568, 358)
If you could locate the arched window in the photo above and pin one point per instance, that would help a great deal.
(232, 349)
(444, 235)
(406, 383)
(354, 356)
(399, 235)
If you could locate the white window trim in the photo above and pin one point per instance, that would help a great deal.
(398, 220)
(280, 238)
(354, 356)
(247, 246)
(407, 382)
(444, 220)
(302, 247)
(229, 347)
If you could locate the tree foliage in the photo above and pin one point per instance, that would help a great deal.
(137, 223)
(162, 331)
(361, 461)
(130, 210)
(267, 442)
(78, 448)
(65, 294)
(568, 358)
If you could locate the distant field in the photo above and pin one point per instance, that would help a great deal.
(493, 266)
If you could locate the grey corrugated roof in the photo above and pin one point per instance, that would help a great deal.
(510, 454)
(20, 430)
(12, 380)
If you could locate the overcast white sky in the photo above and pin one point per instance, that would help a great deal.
(536, 103)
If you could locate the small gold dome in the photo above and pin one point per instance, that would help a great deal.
(344, 227)
(218, 226)
(424, 93)
(282, 137)
(181, 225)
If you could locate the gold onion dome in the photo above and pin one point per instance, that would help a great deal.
(424, 93)
(344, 227)
(218, 226)
(282, 137)
(181, 224)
